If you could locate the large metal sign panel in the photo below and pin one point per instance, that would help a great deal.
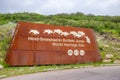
(40, 44)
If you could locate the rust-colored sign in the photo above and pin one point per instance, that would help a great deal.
(40, 44)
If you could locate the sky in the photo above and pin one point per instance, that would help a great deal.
(51, 7)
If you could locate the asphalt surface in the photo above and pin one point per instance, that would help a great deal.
(95, 73)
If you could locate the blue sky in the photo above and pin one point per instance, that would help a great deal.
(48, 7)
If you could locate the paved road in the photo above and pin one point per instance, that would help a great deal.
(97, 73)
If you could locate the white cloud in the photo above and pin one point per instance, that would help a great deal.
(98, 7)
(55, 6)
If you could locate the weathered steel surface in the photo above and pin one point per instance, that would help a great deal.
(40, 44)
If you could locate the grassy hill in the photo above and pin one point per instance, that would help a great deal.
(107, 28)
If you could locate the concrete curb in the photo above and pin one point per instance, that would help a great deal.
(110, 65)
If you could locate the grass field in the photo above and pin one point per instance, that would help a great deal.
(14, 71)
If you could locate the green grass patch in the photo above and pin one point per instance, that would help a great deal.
(14, 71)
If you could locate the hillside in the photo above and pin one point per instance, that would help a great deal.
(107, 28)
